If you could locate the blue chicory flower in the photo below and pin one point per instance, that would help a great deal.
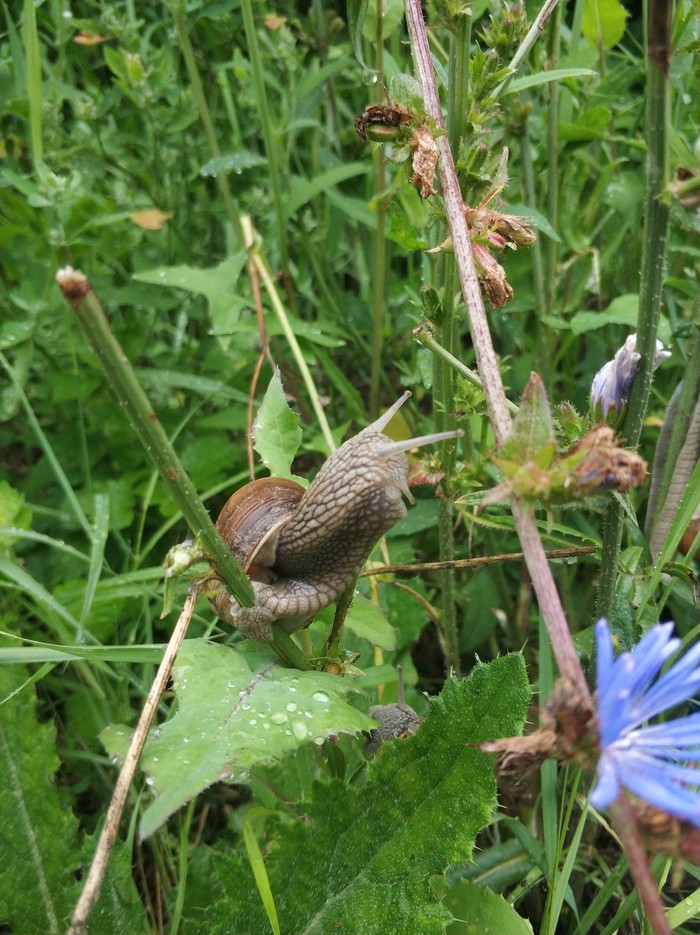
(653, 761)
(611, 386)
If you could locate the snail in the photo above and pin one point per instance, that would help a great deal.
(303, 548)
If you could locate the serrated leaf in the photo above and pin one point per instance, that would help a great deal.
(603, 22)
(41, 850)
(532, 435)
(479, 909)
(362, 858)
(236, 707)
(276, 432)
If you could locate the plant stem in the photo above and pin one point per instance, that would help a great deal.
(424, 336)
(108, 835)
(656, 211)
(200, 99)
(258, 261)
(122, 380)
(540, 573)
(626, 827)
(525, 47)
(380, 252)
(271, 144)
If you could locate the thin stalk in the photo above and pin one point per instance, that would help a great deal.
(424, 336)
(457, 117)
(108, 835)
(526, 46)
(538, 278)
(32, 53)
(540, 573)
(656, 211)
(49, 454)
(271, 144)
(260, 265)
(200, 99)
(380, 252)
(123, 382)
(551, 246)
(626, 826)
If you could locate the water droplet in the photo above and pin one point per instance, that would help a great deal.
(231, 684)
(300, 730)
(252, 722)
(308, 714)
(266, 726)
(186, 762)
(292, 688)
(278, 717)
(319, 741)
(245, 706)
(320, 696)
(185, 739)
(149, 780)
(288, 732)
(291, 706)
(225, 700)
(155, 759)
(295, 681)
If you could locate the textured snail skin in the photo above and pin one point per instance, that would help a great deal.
(352, 502)
(315, 555)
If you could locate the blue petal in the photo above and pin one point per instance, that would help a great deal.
(679, 682)
(682, 732)
(673, 772)
(607, 787)
(652, 786)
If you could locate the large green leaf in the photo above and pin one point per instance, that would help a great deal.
(604, 22)
(236, 707)
(362, 859)
(39, 840)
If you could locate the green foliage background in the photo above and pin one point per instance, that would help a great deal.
(93, 133)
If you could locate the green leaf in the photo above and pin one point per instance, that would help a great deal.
(218, 284)
(543, 77)
(392, 15)
(532, 435)
(233, 162)
(38, 833)
(603, 22)
(362, 858)
(13, 513)
(366, 620)
(236, 708)
(357, 11)
(276, 432)
(303, 190)
(479, 909)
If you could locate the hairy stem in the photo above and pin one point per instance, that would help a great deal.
(496, 400)
(656, 212)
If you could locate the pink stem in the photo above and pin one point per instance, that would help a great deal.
(626, 827)
(535, 559)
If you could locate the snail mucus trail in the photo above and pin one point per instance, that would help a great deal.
(301, 548)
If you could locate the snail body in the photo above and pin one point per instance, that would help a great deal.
(303, 548)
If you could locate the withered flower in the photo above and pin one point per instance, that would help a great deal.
(425, 158)
(381, 121)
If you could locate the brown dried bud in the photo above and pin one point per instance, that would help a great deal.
(513, 230)
(381, 120)
(492, 277)
(605, 466)
(424, 163)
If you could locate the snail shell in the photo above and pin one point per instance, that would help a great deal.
(251, 519)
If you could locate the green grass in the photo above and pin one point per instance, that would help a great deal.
(287, 242)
